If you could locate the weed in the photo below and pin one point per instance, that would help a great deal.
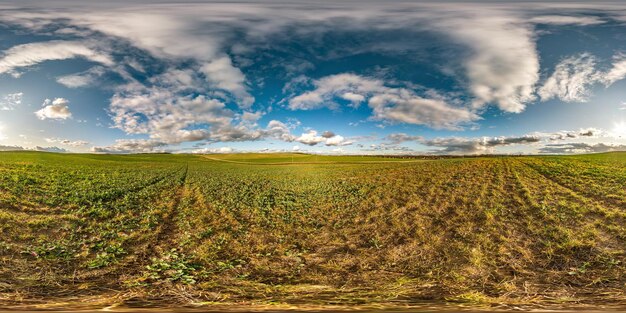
(173, 267)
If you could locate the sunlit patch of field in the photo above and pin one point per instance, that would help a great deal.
(330, 230)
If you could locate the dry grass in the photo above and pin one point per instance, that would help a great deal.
(184, 230)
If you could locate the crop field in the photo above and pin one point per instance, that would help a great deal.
(299, 229)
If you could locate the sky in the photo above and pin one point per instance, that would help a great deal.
(332, 77)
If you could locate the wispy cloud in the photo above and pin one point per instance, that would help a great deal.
(30, 54)
(617, 71)
(567, 20)
(11, 101)
(82, 79)
(500, 71)
(572, 79)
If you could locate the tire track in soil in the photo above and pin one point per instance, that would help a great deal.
(597, 208)
(134, 261)
(529, 198)
(516, 209)
(575, 193)
(165, 237)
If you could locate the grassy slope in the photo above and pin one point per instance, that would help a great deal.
(183, 228)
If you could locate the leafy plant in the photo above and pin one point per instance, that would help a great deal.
(174, 267)
(110, 255)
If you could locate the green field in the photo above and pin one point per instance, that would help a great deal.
(311, 230)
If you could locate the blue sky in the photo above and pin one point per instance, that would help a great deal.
(326, 77)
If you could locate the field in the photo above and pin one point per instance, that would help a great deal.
(296, 229)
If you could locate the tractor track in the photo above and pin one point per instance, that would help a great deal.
(160, 241)
(166, 235)
(576, 193)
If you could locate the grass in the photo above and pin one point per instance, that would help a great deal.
(311, 230)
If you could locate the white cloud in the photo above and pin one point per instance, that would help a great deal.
(50, 149)
(356, 99)
(165, 31)
(500, 70)
(337, 140)
(590, 132)
(503, 66)
(170, 35)
(167, 113)
(387, 148)
(571, 134)
(188, 101)
(543, 141)
(574, 76)
(176, 33)
(83, 79)
(579, 147)
(435, 113)
(37, 148)
(223, 75)
(130, 146)
(310, 138)
(309, 101)
(251, 116)
(213, 150)
(11, 148)
(67, 142)
(617, 71)
(11, 101)
(177, 106)
(56, 109)
(387, 103)
(33, 53)
(397, 138)
(566, 20)
(170, 116)
(485, 145)
(347, 86)
(279, 130)
(571, 79)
